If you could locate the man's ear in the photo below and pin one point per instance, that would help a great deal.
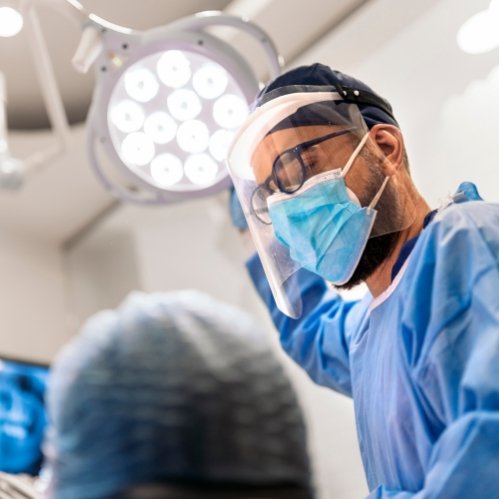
(390, 142)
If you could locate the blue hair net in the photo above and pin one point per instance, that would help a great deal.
(171, 388)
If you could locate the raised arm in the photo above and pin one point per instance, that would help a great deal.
(319, 340)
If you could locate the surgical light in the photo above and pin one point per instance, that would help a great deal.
(166, 104)
(137, 149)
(11, 22)
(193, 136)
(161, 127)
(219, 143)
(480, 33)
(174, 68)
(166, 170)
(201, 169)
(210, 81)
(162, 119)
(127, 116)
(140, 84)
(184, 104)
(230, 111)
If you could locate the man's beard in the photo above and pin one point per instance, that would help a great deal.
(391, 215)
(377, 250)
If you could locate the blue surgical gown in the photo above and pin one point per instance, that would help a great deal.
(421, 361)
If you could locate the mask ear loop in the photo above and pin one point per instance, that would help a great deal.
(354, 155)
(349, 164)
(375, 200)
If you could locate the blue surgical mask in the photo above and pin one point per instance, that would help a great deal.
(323, 224)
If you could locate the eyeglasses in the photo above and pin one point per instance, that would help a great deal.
(290, 170)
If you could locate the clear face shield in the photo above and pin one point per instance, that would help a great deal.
(314, 189)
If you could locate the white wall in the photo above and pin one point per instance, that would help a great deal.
(33, 299)
(101, 269)
(446, 101)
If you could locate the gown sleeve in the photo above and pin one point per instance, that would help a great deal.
(453, 321)
(319, 340)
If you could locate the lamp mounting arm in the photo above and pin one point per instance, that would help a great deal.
(209, 19)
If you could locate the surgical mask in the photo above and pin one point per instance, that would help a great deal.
(323, 224)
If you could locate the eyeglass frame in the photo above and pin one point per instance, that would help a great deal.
(296, 151)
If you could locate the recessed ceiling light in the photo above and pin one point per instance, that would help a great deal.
(480, 33)
(11, 22)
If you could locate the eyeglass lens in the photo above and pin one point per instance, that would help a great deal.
(289, 172)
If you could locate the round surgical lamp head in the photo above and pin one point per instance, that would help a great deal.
(166, 105)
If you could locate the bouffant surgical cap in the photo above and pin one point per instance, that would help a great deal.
(172, 388)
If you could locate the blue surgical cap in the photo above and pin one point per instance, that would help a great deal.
(374, 111)
(172, 388)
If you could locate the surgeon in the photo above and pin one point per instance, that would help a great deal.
(322, 175)
(174, 395)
